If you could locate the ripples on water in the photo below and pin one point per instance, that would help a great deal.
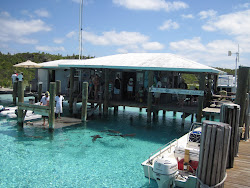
(69, 157)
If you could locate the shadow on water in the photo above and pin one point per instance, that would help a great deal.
(130, 121)
(125, 124)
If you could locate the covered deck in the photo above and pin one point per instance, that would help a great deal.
(145, 70)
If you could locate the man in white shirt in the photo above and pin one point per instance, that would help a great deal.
(157, 95)
(14, 77)
(45, 102)
(59, 101)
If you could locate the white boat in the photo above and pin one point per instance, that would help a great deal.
(11, 113)
(175, 163)
(7, 110)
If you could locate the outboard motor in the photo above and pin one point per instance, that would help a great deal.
(164, 172)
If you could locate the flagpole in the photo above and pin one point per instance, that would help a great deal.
(80, 30)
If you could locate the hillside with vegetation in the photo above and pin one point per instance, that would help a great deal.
(8, 60)
(192, 79)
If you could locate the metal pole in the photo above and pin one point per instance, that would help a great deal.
(237, 61)
(80, 30)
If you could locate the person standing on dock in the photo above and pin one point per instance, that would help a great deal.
(157, 95)
(110, 89)
(117, 87)
(14, 77)
(91, 86)
(45, 102)
(59, 108)
(96, 82)
(20, 77)
(130, 88)
(181, 98)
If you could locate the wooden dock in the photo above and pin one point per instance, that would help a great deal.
(238, 176)
(59, 123)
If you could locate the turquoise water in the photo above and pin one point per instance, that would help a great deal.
(68, 157)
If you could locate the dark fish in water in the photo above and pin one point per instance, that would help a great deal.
(95, 137)
(126, 135)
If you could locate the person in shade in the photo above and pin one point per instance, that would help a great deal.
(130, 87)
(157, 95)
(59, 107)
(117, 87)
(181, 98)
(45, 102)
(96, 82)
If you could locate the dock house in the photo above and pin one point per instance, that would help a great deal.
(144, 80)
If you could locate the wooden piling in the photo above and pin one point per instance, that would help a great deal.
(52, 91)
(100, 109)
(106, 93)
(71, 90)
(183, 118)
(40, 88)
(242, 89)
(213, 153)
(84, 101)
(20, 113)
(201, 98)
(247, 119)
(58, 87)
(209, 91)
(163, 112)
(14, 94)
(174, 113)
(150, 97)
(230, 114)
(115, 110)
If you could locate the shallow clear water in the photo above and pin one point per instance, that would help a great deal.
(68, 157)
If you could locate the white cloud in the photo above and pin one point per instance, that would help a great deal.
(187, 16)
(188, 45)
(169, 24)
(114, 38)
(152, 46)
(27, 13)
(42, 13)
(71, 34)
(50, 48)
(155, 5)
(122, 50)
(16, 30)
(213, 53)
(26, 41)
(242, 6)
(58, 40)
(237, 23)
(127, 41)
(4, 14)
(207, 14)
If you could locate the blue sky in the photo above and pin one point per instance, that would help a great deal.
(203, 31)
